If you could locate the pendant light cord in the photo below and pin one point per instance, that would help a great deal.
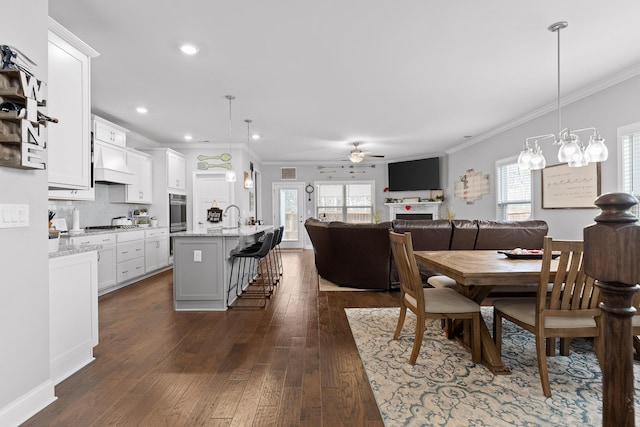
(559, 110)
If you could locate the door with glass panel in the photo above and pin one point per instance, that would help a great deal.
(288, 210)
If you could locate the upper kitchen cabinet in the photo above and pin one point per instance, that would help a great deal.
(176, 172)
(105, 131)
(140, 164)
(69, 101)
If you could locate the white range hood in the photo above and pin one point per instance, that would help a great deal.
(110, 164)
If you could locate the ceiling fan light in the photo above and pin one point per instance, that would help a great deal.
(356, 157)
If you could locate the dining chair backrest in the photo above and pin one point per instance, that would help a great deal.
(573, 293)
(410, 283)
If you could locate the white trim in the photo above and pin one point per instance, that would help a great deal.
(27, 405)
(71, 38)
(623, 131)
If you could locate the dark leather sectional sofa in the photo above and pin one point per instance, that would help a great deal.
(359, 255)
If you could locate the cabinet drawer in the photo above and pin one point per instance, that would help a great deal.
(128, 236)
(96, 239)
(130, 250)
(156, 233)
(129, 269)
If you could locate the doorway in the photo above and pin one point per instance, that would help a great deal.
(288, 210)
(209, 187)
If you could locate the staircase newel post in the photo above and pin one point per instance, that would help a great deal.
(612, 257)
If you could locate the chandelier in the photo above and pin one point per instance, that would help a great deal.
(572, 151)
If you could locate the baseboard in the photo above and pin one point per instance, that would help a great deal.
(27, 405)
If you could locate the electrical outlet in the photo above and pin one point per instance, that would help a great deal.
(197, 256)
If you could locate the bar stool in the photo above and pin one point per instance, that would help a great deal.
(255, 260)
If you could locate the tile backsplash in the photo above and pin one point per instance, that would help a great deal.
(95, 212)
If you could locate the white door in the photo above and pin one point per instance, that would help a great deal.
(207, 188)
(288, 210)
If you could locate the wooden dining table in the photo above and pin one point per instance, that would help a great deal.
(477, 272)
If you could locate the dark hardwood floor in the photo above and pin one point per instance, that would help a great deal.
(292, 363)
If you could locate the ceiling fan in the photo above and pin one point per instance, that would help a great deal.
(357, 155)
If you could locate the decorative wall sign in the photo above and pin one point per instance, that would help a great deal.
(471, 186)
(565, 188)
(23, 132)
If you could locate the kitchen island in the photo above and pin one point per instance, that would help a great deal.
(201, 265)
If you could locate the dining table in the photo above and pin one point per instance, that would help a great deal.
(476, 273)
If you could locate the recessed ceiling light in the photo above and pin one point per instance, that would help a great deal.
(189, 49)
(141, 110)
(188, 137)
(255, 136)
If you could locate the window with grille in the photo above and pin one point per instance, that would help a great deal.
(630, 160)
(348, 202)
(513, 191)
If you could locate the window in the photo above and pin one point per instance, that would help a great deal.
(630, 170)
(513, 192)
(345, 202)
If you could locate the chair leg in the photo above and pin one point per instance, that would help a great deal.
(403, 314)
(565, 344)
(476, 350)
(636, 346)
(542, 364)
(417, 343)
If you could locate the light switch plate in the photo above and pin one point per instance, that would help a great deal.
(14, 216)
(197, 256)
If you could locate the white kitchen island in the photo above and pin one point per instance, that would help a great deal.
(201, 265)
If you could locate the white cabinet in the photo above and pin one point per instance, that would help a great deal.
(73, 313)
(176, 172)
(129, 255)
(89, 194)
(156, 249)
(106, 257)
(141, 191)
(105, 131)
(69, 100)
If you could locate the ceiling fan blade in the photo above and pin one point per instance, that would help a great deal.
(380, 156)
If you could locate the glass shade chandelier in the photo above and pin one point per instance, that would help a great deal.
(248, 183)
(230, 175)
(572, 151)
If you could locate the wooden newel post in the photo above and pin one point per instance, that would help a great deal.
(612, 257)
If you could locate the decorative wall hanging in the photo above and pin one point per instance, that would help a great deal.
(564, 187)
(204, 165)
(471, 186)
(22, 127)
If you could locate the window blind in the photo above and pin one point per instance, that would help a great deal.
(513, 193)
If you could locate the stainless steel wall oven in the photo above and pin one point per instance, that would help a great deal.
(177, 212)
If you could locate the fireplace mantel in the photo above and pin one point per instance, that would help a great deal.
(414, 208)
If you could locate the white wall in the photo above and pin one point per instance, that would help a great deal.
(607, 110)
(24, 305)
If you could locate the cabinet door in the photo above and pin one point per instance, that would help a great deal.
(105, 132)
(176, 173)
(141, 190)
(69, 140)
(89, 194)
(106, 267)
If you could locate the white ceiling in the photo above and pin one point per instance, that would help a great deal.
(408, 78)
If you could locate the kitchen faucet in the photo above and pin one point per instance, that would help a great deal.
(229, 207)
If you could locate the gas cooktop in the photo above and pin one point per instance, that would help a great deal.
(109, 227)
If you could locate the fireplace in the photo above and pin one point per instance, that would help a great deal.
(414, 210)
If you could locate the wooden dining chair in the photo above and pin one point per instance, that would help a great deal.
(566, 309)
(429, 303)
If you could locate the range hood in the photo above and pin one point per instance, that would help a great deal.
(110, 165)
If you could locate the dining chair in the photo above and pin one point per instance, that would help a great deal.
(565, 306)
(429, 303)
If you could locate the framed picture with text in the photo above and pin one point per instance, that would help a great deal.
(570, 188)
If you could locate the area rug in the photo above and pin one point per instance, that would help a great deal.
(325, 285)
(445, 388)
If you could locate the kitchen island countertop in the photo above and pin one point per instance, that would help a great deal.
(212, 231)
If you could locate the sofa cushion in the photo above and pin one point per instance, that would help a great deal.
(463, 234)
(510, 234)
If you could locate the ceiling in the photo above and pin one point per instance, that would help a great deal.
(408, 79)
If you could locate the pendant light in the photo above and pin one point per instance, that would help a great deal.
(248, 183)
(230, 175)
(572, 151)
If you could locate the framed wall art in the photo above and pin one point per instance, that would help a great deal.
(570, 188)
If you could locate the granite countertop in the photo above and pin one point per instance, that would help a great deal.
(209, 231)
(84, 232)
(64, 250)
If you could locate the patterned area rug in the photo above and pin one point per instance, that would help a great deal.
(445, 388)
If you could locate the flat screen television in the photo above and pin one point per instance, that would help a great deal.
(415, 175)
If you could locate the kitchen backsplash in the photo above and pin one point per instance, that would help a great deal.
(95, 212)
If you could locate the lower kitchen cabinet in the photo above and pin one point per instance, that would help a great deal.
(73, 313)
(106, 257)
(129, 255)
(156, 252)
